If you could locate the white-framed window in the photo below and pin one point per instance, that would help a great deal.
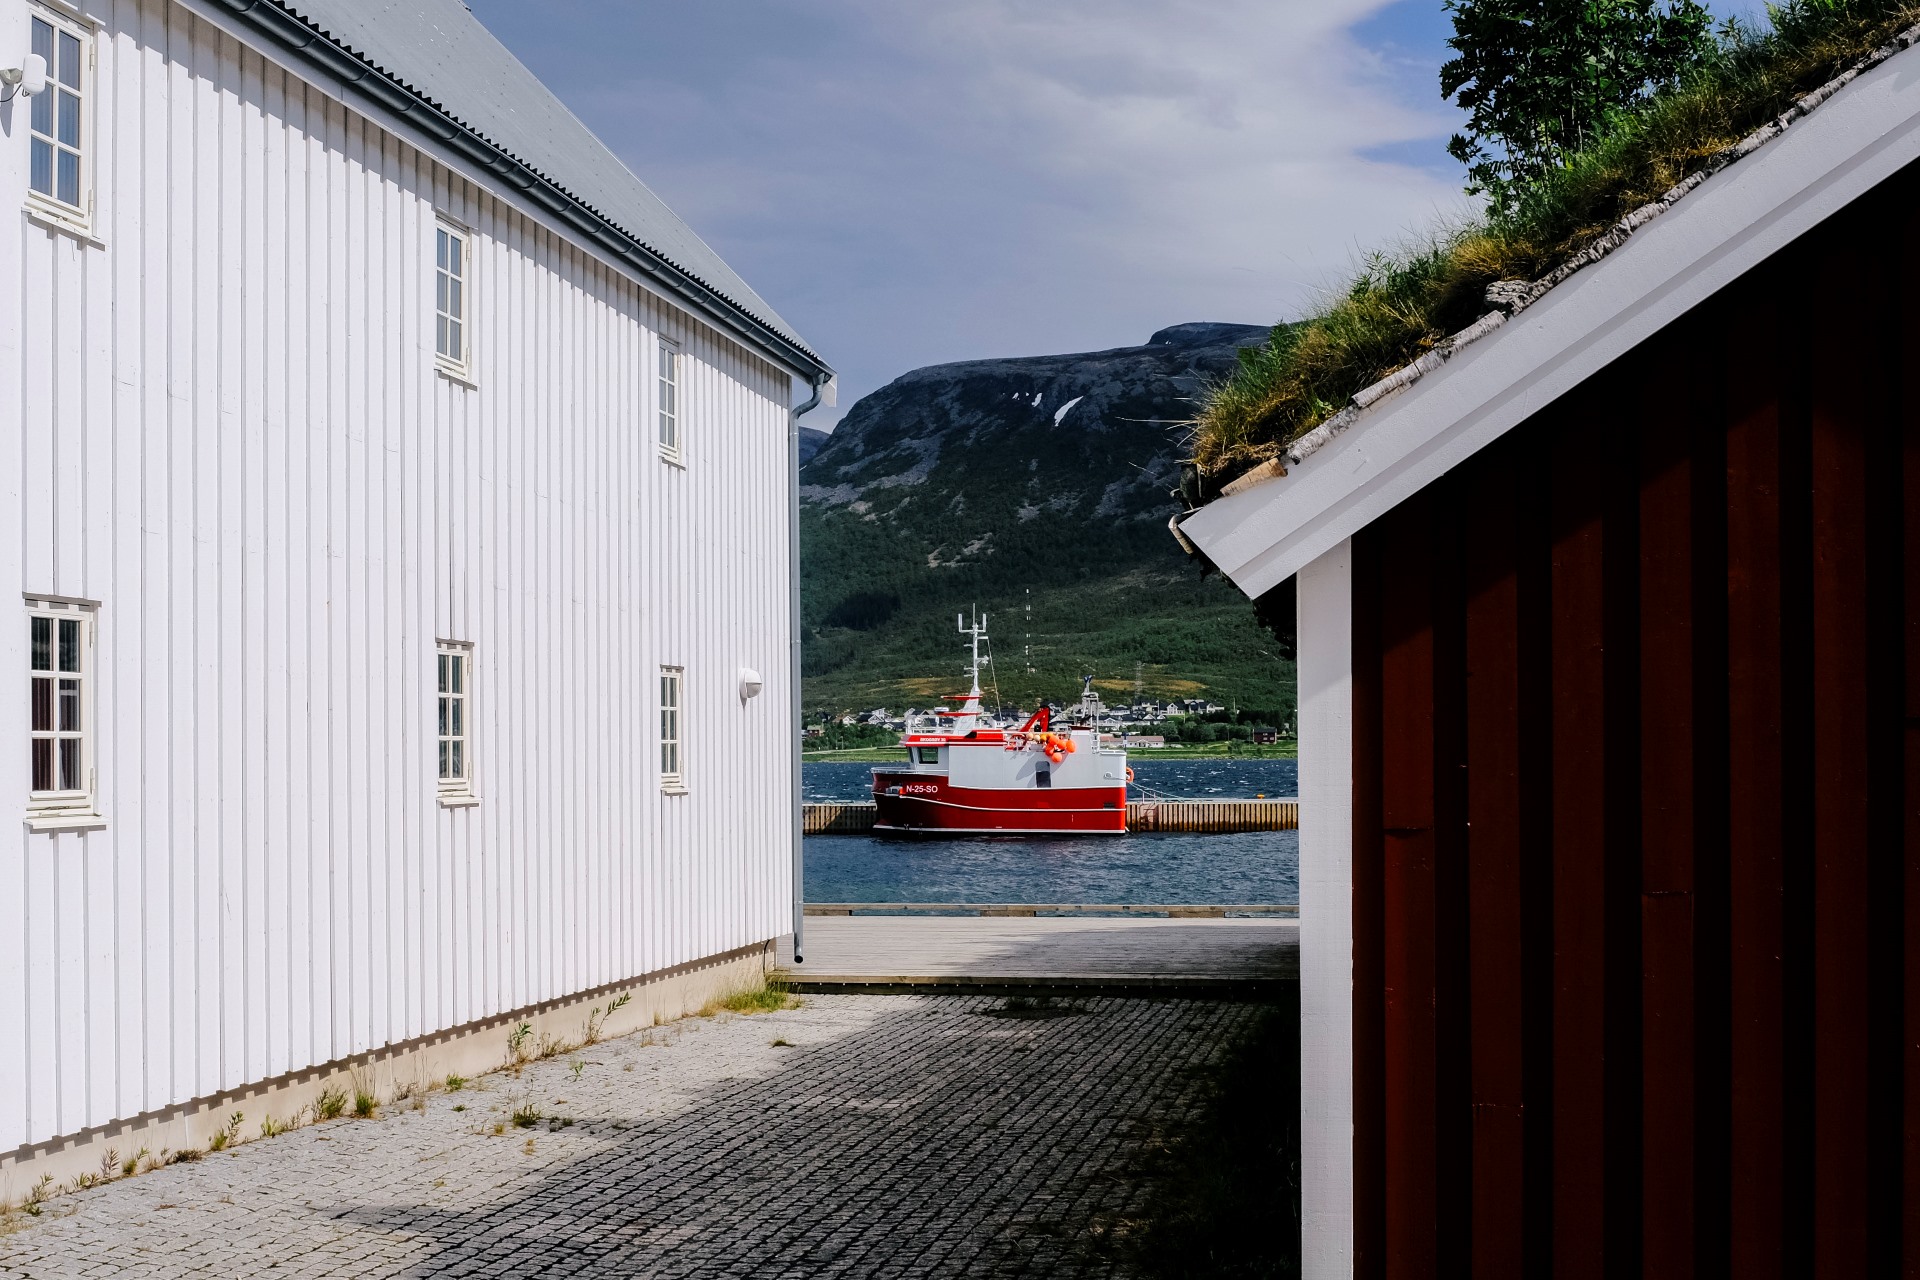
(454, 666)
(671, 681)
(60, 120)
(60, 773)
(669, 397)
(452, 297)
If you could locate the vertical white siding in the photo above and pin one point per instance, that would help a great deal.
(1326, 914)
(230, 431)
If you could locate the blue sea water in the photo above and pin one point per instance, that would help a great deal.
(1256, 867)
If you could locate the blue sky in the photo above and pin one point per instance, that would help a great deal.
(915, 183)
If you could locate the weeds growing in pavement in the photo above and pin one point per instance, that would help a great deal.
(37, 1197)
(597, 1017)
(331, 1104)
(517, 1043)
(770, 996)
(227, 1135)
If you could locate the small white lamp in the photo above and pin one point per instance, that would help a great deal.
(750, 683)
(27, 79)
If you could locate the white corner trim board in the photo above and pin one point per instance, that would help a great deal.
(1326, 915)
(1868, 131)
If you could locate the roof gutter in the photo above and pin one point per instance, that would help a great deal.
(793, 656)
(313, 47)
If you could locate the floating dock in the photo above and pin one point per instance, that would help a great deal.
(1214, 817)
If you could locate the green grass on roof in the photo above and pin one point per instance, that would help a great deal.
(1404, 302)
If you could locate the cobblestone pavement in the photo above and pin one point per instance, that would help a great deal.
(856, 1136)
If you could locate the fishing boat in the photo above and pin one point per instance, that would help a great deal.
(966, 776)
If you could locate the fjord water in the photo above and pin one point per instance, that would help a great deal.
(1247, 868)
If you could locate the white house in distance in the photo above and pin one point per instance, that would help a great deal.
(399, 501)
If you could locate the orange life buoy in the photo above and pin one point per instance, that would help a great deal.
(1129, 773)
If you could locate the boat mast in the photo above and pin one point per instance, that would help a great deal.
(975, 634)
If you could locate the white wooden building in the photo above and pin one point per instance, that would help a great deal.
(399, 491)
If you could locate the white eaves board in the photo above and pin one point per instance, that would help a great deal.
(1861, 136)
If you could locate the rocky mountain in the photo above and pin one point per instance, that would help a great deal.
(810, 442)
(1036, 481)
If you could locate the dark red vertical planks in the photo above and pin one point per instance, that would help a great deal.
(1841, 374)
(1887, 216)
(1408, 911)
(1908, 363)
(1712, 928)
(1755, 784)
(1579, 844)
(1666, 804)
(1496, 962)
(1453, 919)
(1637, 806)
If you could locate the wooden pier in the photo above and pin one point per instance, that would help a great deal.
(1213, 817)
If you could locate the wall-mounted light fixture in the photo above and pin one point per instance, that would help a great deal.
(750, 683)
(27, 79)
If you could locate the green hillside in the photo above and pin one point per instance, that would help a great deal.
(1036, 489)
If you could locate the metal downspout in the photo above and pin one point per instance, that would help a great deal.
(793, 667)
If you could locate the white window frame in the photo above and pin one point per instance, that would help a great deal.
(453, 721)
(77, 216)
(669, 404)
(673, 730)
(457, 309)
(64, 808)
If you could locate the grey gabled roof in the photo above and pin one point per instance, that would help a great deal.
(437, 51)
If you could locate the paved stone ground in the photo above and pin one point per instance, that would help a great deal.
(893, 1136)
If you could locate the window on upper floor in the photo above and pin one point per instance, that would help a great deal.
(452, 297)
(60, 790)
(671, 779)
(669, 395)
(455, 662)
(59, 121)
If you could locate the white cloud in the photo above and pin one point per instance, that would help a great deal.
(912, 183)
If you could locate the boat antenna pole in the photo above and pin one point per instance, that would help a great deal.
(976, 633)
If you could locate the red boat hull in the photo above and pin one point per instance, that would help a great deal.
(923, 804)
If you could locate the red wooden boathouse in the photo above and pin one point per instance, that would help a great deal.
(1609, 643)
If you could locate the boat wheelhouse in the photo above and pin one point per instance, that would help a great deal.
(965, 775)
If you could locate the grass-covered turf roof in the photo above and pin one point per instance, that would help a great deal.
(1407, 302)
